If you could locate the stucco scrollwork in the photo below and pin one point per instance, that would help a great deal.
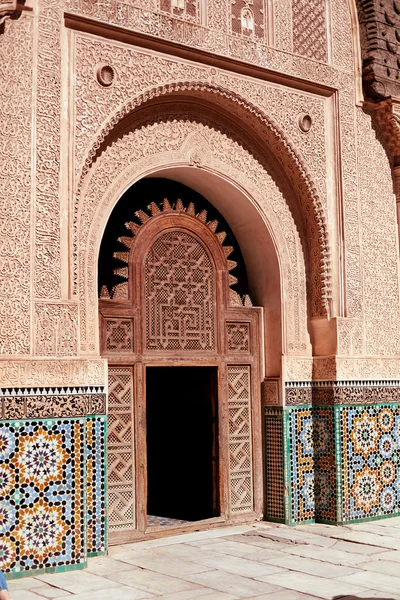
(56, 329)
(16, 54)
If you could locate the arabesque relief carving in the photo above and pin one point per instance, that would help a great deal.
(56, 329)
(48, 108)
(16, 55)
(40, 372)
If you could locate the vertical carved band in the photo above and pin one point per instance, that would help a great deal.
(121, 469)
(240, 444)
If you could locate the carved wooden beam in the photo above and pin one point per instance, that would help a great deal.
(380, 47)
(7, 8)
(386, 122)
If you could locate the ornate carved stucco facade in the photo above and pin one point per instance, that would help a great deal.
(259, 106)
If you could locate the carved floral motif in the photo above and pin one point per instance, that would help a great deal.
(56, 329)
(48, 101)
(16, 50)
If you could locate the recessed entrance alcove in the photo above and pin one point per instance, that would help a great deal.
(183, 343)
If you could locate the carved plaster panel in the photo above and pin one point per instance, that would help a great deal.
(350, 334)
(56, 329)
(310, 29)
(370, 368)
(66, 372)
(16, 52)
(215, 38)
(48, 106)
(379, 244)
(95, 106)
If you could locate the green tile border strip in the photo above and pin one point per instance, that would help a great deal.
(287, 472)
(33, 572)
(338, 463)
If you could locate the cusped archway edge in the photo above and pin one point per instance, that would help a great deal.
(268, 144)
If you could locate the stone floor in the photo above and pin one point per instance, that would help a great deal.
(257, 562)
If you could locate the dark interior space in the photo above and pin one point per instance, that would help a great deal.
(138, 197)
(182, 442)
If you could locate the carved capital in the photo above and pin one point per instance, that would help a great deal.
(7, 8)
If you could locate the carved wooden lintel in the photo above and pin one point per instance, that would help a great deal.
(7, 8)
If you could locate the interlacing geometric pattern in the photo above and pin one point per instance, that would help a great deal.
(96, 484)
(309, 29)
(121, 470)
(42, 512)
(119, 335)
(238, 335)
(302, 464)
(120, 291)
(240, 439)
(274, 471)
(179, 294)
(324, 461)
(370, 437)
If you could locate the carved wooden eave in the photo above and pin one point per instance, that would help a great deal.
(7, 9)
(380, 47)
(386, 122)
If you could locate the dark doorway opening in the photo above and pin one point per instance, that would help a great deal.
(182, 444)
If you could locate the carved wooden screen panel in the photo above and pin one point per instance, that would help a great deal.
(119, 335)
(240, 439)
(121, 470)
(179, 294)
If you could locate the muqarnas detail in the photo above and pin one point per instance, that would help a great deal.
(41, 494)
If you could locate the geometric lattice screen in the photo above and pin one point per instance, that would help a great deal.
(121, 469)
(240, 439)
(179, 280)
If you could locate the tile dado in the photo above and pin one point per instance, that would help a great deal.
(52, 480)
(343, 459)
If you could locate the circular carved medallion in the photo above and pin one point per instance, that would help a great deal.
(105, 75)
(305, 122)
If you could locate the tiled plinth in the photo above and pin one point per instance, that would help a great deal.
(341, 453)
(52, 486)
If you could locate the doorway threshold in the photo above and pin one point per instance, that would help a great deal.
(160, 524)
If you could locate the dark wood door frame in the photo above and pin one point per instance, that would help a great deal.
(236, 353)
